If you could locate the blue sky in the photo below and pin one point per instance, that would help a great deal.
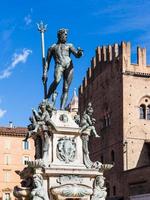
(90, 23)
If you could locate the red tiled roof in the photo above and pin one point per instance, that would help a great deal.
(20, 131)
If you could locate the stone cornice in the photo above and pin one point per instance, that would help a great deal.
(138, 74)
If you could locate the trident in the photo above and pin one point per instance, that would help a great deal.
(42, 28)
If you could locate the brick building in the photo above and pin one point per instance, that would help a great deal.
(13, 156)
(120, 95)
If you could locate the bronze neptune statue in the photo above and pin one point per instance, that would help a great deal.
(60, 52)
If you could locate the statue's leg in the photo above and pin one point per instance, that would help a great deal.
(26, 136)
(57, 77)
(94, 131)
(67, 78)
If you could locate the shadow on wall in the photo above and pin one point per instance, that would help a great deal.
(144, 158)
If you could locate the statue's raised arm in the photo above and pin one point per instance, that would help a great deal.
(77, 53)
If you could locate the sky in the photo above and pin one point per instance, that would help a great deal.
(90, 22)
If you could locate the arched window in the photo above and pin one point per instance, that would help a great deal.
(142, 111)
(148, 112)
(112, 156)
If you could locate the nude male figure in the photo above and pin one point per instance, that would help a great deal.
(63, 65)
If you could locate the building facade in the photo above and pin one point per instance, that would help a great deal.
(120, 95)
(14, 155)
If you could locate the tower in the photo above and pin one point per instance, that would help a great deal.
(119, 92)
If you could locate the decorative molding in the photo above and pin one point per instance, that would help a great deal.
(71, 190)
(64, 179)
(7, 190)
(137, 74)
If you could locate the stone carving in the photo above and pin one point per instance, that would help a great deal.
(77, 119)
(69, 179)
(38, 192)
(63, 118)
(88, 163)
(66, 149)
(40, 127)
(106, 167)
(99, 190)
(38, 147)
(63, 65)
(39, 119)
(71, 190)
(87, 129)
(26, 183)
(26, 176)
(38, 163)
(31, 186)
(87, 122)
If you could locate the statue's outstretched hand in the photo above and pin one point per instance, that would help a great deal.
(80, 51)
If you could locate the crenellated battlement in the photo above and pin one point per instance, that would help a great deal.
(107, 53)
(106, 56)
(141, 56)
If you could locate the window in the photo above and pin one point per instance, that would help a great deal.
(7, 159)
(7, 196)
(144, 108)
(106, 121)
(25, 160)
(142, 111)
(6, 176)
(26, 145)
(148, 112)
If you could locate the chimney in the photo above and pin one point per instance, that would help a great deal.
(10, 124)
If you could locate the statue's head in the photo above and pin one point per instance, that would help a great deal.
(62, 35)
(100, 180)
(42, 106)
(37, 180)
(89, 109)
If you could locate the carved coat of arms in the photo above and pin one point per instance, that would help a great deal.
(66, 149)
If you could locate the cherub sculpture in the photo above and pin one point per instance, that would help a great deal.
(39, 119)
(87, 122)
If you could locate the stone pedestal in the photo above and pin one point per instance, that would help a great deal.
(65, 149)
(63, 169)
(69, 183)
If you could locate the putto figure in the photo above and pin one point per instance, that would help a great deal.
(63, 65)
(87, 121)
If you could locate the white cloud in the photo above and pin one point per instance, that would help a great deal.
(22, 57)
(28, 19)
(16, 59)
(2, 112)
(5, 74)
